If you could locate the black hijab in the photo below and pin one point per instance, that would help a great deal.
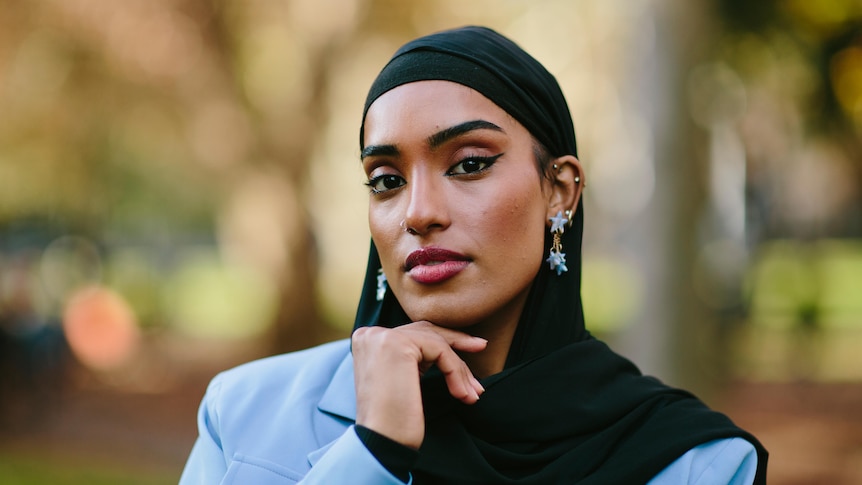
(565, 409)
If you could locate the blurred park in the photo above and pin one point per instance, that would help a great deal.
(180, 192)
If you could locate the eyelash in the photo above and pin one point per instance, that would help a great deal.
(487, 161)
(374, 180)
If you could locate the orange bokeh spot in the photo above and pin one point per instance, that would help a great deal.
(100, 327)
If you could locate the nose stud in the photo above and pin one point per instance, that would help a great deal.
(407, 229)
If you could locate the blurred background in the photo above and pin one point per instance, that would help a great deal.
(180, 192)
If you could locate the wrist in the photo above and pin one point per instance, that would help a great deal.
(397, 432)
(398, 459)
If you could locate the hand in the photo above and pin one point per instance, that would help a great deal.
(387, 365)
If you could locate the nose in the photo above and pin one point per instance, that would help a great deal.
(427, 205)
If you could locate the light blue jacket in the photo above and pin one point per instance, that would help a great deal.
(289, 419)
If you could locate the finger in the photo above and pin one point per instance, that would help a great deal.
(456, 339)
(472, 344)
(477, 385)
(459, 379)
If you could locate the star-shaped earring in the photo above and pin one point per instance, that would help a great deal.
(558, 222)
(557, 260)
(381, 284)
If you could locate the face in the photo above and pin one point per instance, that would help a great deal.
(457, 208)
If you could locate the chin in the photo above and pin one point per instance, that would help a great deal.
(443, 318)
(444, 321)
(460, 311)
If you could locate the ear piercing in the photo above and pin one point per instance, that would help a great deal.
(557, 168)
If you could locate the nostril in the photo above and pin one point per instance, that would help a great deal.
(407, 229)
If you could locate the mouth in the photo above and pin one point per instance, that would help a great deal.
(432, 256)
(434, 265)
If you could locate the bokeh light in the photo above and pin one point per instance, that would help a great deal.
(210, 299)
(101, 329)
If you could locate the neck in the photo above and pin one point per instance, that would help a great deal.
(491, 360)
(499, 330)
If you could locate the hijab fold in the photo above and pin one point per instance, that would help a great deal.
(566, 408)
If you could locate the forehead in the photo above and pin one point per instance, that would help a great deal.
(425, 107)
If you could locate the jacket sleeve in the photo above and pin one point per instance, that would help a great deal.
(346, 460)
(732, 461)
(206, 463)
(349, 461)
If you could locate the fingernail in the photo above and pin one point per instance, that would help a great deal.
(478, 384)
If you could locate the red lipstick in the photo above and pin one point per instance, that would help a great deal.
(434, 265)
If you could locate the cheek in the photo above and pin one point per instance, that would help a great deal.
(377, 224)
(519, 223)
(385, 230)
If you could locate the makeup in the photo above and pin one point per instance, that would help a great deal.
(432, 265)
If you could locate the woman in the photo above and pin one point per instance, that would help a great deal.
(469, 362)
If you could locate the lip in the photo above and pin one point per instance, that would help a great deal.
(434, 265)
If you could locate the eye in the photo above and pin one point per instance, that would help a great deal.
(472, 165)
(384, 183)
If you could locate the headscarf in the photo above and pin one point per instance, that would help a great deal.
(565, 408)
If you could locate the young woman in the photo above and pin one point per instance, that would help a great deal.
(470, 362)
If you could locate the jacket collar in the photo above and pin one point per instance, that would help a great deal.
(339, 399)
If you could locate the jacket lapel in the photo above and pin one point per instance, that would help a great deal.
(339, 399)
(337, 408)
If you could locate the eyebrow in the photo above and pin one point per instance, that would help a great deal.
(434, 140)
(378, 150)
(443, 136)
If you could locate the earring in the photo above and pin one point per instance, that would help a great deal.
(381, 284)
(557, 258)
(577, 179)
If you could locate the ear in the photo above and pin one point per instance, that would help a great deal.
(567, 185)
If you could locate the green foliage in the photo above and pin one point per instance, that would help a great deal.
(797, 284)
(31, 470)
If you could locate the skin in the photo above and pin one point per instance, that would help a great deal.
(449, 169)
